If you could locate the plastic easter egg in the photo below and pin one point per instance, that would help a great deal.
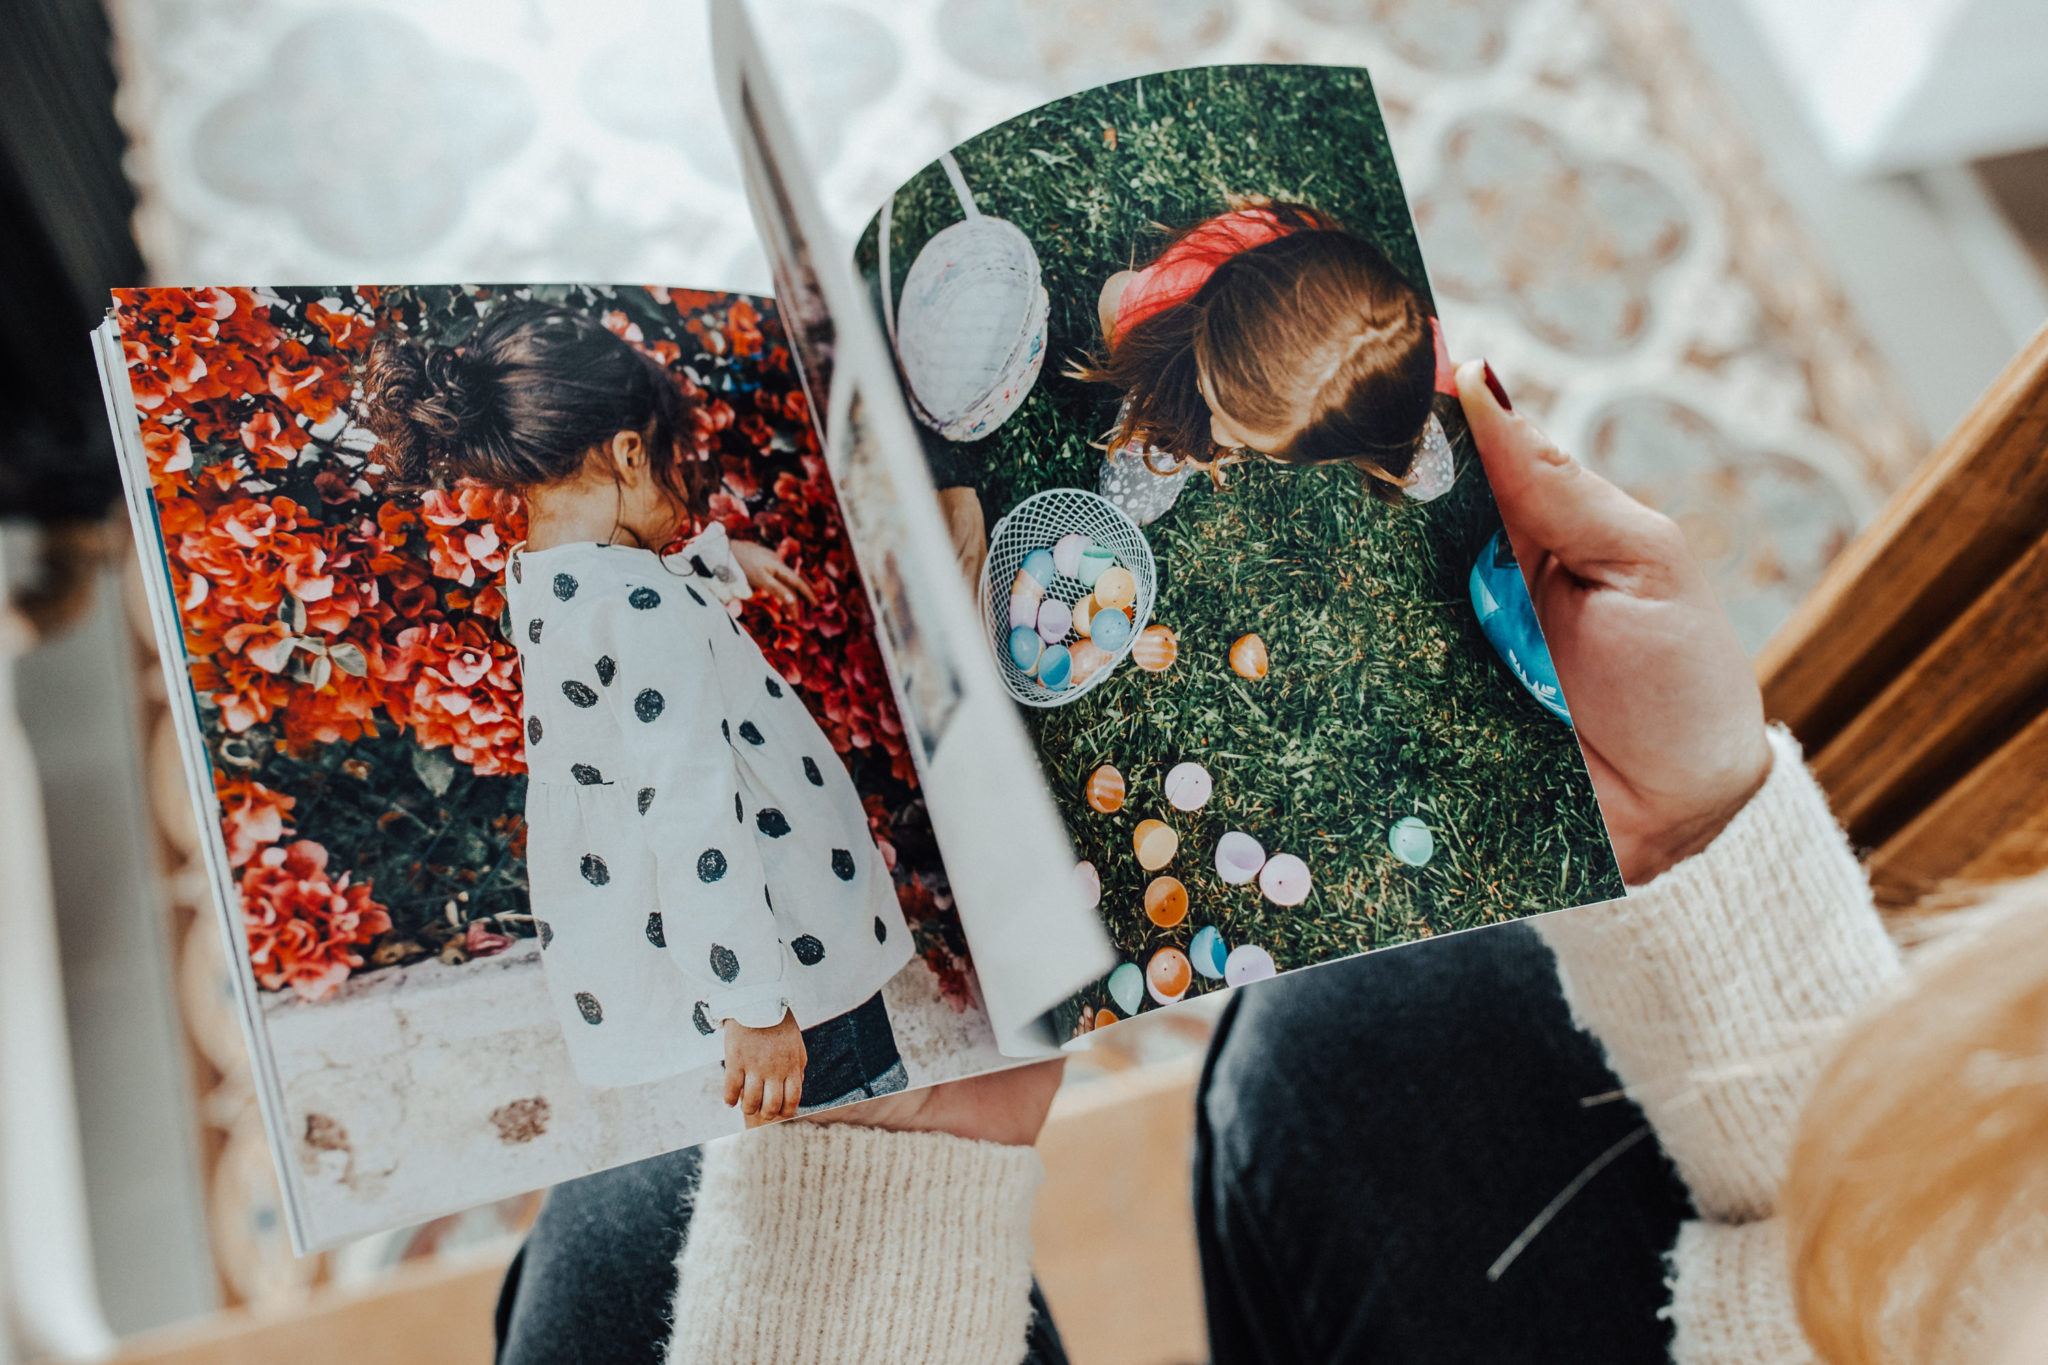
(1166, 902)
(1023, 613)
(1025, 648)
(1028, 588)
(1116, 588)
(1090, 882)
(1056, 667)
(1084, 613)
(1110, 628)
(1156, 649)
(1167, 975)
(1284, 879)
(1248, 657)
(1411, 841)
(1105, 1017)
(1040, 566)
(1088, 657)
(1106, 790)
(1248, 963)
(1238, 857)
(1155, 843)
(1127, 987)
(1066, 553)
(1094, 561)
(1054, 619)
(1187, 786)
(1207, 952)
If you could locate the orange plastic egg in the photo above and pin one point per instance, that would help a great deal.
(1116, 588)
(1155, 844)
(1106, 790)
(1084, 612)
(1167, 975)
(1087, 657)
(1104, 1017)
(1248, 657)
(1166, 902)
(1156, 649)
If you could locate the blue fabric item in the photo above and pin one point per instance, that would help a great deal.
(1508, 617)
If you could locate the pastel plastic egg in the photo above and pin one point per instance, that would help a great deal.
(1156, 649)
(1040, 566)
(1155, 843)
(1094, 561)
(1238, 857)
(1084, 612)
(1166, 902)
(1187, 786)
(1411, 841)
(1207, 952)
(1127, 988)
(1056, 667)
(1248, 657)
(1104, 1017)
(1028, 588)
(1106, 790)
(1284, 879)
(1023, 613)
(1090, 882)
(1167, 975)
(1116, 588)
(1247, 963)
(1088, 657)
(1025, 648)
(1054, 619)
(1067, 551)
(1110, 628)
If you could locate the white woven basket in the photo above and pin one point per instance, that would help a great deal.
(974, 316)
(1035, 524)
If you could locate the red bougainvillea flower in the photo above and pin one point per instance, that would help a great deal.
(304, 926)
(252, 816)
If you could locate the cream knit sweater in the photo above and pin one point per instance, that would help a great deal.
(1715, 990)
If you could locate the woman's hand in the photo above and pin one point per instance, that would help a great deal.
(1666, 707)
(767, 573)
(764, 1070)
(1002, 1106)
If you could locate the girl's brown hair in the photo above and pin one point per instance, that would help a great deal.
(1314, 332)
(1924, 1145)
(523, 402)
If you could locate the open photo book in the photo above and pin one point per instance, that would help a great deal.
(1078, 595)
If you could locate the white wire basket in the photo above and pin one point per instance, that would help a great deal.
(973, 319)
(1036, 524)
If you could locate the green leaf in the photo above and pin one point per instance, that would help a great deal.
(435, 770)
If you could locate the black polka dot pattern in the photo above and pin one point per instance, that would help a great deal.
(533, 630)
(772, 822)
(648, 705)
(817, 779)
(547, 933)
(725, 963)
(518, 570)
(710, 865)
(739, 809)
(725, 728)
(565, 586)
(881, 930)
(701, 1017)
(643, 599)
(533, 729)
(607, 669)
(808, 951)
(751, 734)
(646, 799)
(579, 694)
(594, 870)
(699, 567)
(587, 1006)
(774, 688)
(842, 864)
(695, 596)
(586, 776)
(654, 934)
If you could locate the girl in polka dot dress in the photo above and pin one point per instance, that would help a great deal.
(701, 869)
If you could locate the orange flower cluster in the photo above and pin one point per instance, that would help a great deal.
(304, 926)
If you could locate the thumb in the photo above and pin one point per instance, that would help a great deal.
(1552, 505)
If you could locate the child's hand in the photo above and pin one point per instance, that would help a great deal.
(764, 1070)
(767, 573)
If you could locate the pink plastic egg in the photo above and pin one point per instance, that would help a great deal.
(1054, 619)
(1090, 882)
(1284, 879)
(1247, 963)
(1238, 857)
(1188, 786)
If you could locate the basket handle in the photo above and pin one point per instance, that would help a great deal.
(960, 190)
(888, 290)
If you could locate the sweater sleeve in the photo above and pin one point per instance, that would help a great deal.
(1731, 1297)
(1715, 988)
(815, 1243)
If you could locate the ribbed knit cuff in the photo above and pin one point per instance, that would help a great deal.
(1716, 988)
(1731, 1297)
(835, 1243)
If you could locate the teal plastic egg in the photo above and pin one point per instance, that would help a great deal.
(1040, 566)
(1411, 841)
(1110, 629)
(1127, 987)
(1055, 667)
(1208, 953)
(1094, 560)
(1025, 648)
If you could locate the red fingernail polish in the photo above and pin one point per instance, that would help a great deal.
(1500, 394)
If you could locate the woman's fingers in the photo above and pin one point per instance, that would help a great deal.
(792, 1095)
(750, 1096)
(735, 1078)
(771, 1097)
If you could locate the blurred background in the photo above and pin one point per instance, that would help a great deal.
(1750, 257)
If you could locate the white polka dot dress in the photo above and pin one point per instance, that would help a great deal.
(695, 849)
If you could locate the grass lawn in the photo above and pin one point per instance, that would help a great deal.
(1384, 700)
